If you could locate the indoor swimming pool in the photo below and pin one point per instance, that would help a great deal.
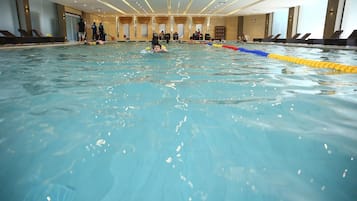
(198, 123)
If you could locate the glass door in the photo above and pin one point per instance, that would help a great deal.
(71, 26)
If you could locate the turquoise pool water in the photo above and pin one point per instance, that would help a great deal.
(198, 123)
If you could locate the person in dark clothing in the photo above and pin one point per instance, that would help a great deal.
(94, 30)
(101, 32)
(154, 40)
(81, 30)
(155, 45)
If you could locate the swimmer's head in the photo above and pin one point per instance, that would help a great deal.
(156, 48)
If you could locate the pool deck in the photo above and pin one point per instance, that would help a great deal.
(36, 45)
(307, 45)
(33, 45)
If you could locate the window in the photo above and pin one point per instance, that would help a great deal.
(349, 22)
(144, 30)
(162, 27)
(199, 27)
(71, 26)
(126, 28)
(312, 16)
(180, 28)
(280, 22)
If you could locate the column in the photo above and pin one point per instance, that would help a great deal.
(333, 17)
(240, 31)
(292, 22)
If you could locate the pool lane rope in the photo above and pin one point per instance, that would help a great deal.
(306, 62)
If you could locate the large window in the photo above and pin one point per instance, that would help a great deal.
(162, 27)
(71, 26)
(349, 22)
(280, 22)
(199, 27)
(126, 28)
(312, 16)
(144, 30)
(180, 30)
(44, 17)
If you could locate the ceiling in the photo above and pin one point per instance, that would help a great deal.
(179, 7)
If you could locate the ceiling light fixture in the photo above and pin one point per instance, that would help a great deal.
(210, 3)
(188, 7)
(147, 3)
(128, 4)
(111, 6)
(228, 5)
(169, 6)
(244, 7)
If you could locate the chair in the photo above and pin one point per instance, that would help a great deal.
(195, 36)
(272, 39)
(207, 36)
(7, 33)
(336, 34)
(12, 39)
(303, 39)
(9, 38)
(200, 36)
(327, 41)
(167, 36)
(43, 38)
(261, 39)
(175, 36)
(283, 40)
(350, 40)
(37, 33)
(24, 33)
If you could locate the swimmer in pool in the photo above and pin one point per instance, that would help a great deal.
(97, 42)
(157, 48)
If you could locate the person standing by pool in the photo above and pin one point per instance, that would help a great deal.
(101, 32)
(81, 30)
(94, 31)
(162, 35)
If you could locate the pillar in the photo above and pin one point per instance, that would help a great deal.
(333, 17)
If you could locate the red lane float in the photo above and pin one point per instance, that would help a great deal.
(230, 47)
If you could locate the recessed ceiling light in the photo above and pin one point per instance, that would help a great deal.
(244, 7)
(111, 6)
(148, 4)
(128, 4)
(188, 7)
(210, 3)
